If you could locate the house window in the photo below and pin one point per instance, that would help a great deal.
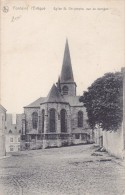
(63, 120)
(11, 139)
(65, 90)
(43, 116)
(11, 148)
(18, 139)
(35, 120)
(80, 119)
(52, 120)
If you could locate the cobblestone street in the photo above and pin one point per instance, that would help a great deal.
(76, 170)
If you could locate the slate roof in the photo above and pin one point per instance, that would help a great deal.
(2, 108)
(54, 96)
(73, 100)
(36, 103)
(66, 72)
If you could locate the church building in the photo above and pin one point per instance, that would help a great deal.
(59, 119)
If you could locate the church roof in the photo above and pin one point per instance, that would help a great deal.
(36, 103)
(73, 100)
(66, 72)
(54, 96)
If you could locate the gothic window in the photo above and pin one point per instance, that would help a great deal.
(43, 116)
(52, 120)
(80, 119)
(65, 90)
(35, 120)
(63, 120)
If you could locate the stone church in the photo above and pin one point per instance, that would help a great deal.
(58, 119)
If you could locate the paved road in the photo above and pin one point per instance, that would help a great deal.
(61, 171)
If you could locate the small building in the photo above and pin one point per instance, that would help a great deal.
(2, 130)
(12, 135)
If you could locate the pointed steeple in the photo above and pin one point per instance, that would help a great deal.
(54, 96)
(66, 73)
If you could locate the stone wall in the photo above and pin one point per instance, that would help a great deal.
(113, 142)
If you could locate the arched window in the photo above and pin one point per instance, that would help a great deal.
(80, 119)
(63, 120)
(65, 90)
(35, 120)
(43, 116)
(52, 120)
(10, 131)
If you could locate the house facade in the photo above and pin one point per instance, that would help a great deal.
(2, 130)
(60, 118)
(12, 133)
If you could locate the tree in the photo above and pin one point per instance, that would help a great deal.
(104, 102)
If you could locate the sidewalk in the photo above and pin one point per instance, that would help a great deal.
(106, 155)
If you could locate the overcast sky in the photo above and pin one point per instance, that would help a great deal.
(33, 46)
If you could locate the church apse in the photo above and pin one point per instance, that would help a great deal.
(58, 119)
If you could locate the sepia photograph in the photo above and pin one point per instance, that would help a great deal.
(62, 97)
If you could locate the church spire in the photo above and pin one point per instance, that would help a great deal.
(66, 73)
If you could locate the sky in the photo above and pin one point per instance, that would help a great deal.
(33, 36)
